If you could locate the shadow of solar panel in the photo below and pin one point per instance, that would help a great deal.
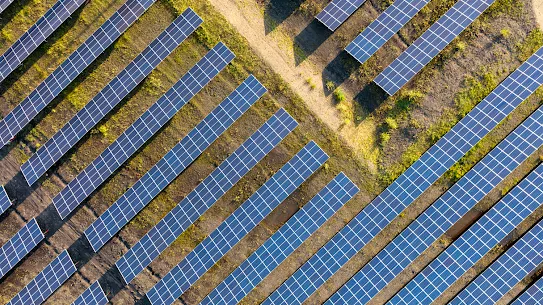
(433, 41)
(46, 282)
(36, 35)
(94, 295)
(5, 203)
(508, 270)
(413, 182)
(17, 247)
(166, 170)
(112, 94)
(283, 242)
(484, 235)
(383, 28)
(4, 4)
(337, 11)
(532, 295)
(78, 61)
(245, 218)
(206, 194)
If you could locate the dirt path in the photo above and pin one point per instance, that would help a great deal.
(538, 11)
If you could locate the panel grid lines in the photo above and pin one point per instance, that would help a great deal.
(532, 295)
(337, 11)
(94, 295)
(4, 4)
(17, 247)
(5, 203)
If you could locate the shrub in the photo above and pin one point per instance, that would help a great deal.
(391, 123)
(339, 96)
(330, 86)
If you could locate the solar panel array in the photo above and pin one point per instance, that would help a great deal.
(337, 11)
(205, 194)
(444, 213)
(245, 218)
(141, 130)
(23, 113)
(17, 247)
(532, 295)
(110, 96)
(5, 203)
(4, 4)
(36, 35)
(413, 182)
(283, 242)
(46, 282)
(508, 270)
(484, 235)
(383, 28)
(430, 44)
(94, 295)
(188, 149)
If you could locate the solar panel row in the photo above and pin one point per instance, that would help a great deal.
(4, 4)
(283, 242)
(142, 130)
(383, 28)
(481, 237)
(205, 194)
(36, 35)
(110, 96)
(508, 270)
(94, 295)
(430, 44)
(5, 203)
(413, 182)
(245, 218)
(38, 99)
(337, 11)
(188, 149)
(46, 282)
(532, 295)
(17, 247)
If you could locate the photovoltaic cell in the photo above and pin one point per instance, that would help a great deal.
(430, 44)
(141, 130)
(238, 225)
(412, 183)
(23, 113)
(532, 295)
(337, 11)
(508, 270)
(156, 179)
(111, 95)
(283, 242)
(484, 235)
(383, 28)
(36, 35)
(13, 251)
(5, 203)
(46, 282)
(94, 295)
(4, 4)
(205, 194)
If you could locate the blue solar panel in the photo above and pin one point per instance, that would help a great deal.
(486, 233)
(46, 282)
(532, 295)
(413, 182)
(36, 35)
(4, 4)
(5, 203)
(337, 11)
(139, 195)
(283, 242)
(508, 270)
(113, 93)
(141, 130)
(433, 41)
(383, 28)
(94, 295)
(205, 194)
(23, 113)
(245, 218)
(13, 251)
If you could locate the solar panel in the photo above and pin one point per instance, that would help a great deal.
(46, 282)
(141, 130)
(283, 242)
(5, 203)
(36, 35)
(433, 41)
(23, 113)
(245, 218)
(337, 11)
(532, 295)
(112, 94)
(508, 270)
(413, 182)
(188, 149)
(94, 295)
(383, 28)
(13, 251)
(4, 4)
(484, 235)
(205, 194)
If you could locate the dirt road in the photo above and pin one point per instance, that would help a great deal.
(538, 10)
